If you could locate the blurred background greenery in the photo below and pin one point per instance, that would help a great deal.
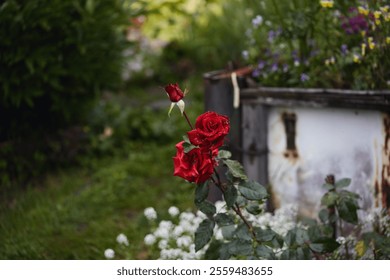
(85, 140)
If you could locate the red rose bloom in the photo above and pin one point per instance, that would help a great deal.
(195, 166)
(174, 92)
(210, 130)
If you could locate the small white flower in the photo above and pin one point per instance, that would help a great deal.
(178, 231)
(166, 224)
(341, 240)
(109, 253)
(162, 232)
(163, 244)
(122, 239)
(184, 241)
(245, 54)
(173, 211)
(187, 216)
(149, 239)
(150, 213)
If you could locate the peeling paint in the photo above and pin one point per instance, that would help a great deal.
(329, 141)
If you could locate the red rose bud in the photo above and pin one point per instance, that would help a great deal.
(174, 92)
(196, 166)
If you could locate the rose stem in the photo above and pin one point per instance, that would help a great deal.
(236, 209)
(188, 120)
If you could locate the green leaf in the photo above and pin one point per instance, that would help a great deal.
(236, 169)
(230, 195)
(303, 253)
(223, 154)
(324, 245)
(343, 183)
(301, 236)
(348, 211)
(329, 199)
(204, 233)
(289, 254)
(223, 219)
(314, 233)
(289, 239)
(253, 191)
(207, 207)
(228, 231)
(265, 252)
(201, 192)
(329, 187)
(254, 209)
(240, 248)
(323, 215)
(264, 235)
(243, 233)
(188, 147)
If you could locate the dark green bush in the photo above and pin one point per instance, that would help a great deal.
(56, 57)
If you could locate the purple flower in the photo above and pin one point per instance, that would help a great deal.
(256, 73)
(261, 64)
(355, 23)
(304, 77)
(271, 36)
(274, 67)
(344, 49)
(258, 20)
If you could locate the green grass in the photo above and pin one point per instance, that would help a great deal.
(76, 213)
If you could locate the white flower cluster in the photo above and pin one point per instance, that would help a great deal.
(176, 240)
(283, 219)
(375, 218)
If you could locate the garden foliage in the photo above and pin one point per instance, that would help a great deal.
(56, 58)
(331, 44)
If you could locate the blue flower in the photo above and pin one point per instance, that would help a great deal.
(304, 77)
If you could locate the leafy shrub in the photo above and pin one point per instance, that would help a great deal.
(56, 58)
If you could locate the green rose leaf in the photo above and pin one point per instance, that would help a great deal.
(324, 245)
(223, 219)
(328, 187)
(324, 215)
(243, 233)
(264, 235)
(240, 247)
(236, 169)
(201, 192)
(290, 237)
(329, 199)
(343, 183)
(188, 147)
(347, 209)
(204, 233)
(228, 231)
(265, 252)
(230, 195)
(253, 191)
(223, 154)
(207, 207)
(301, 236)
(254, 209)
